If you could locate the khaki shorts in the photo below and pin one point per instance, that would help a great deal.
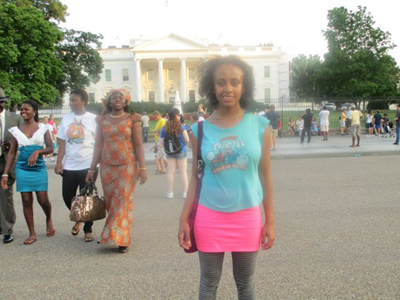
(274, 132)
(355, 130)
(324, 127)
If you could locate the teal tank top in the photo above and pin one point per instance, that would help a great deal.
(231, 155)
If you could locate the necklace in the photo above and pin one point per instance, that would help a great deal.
(116, 117)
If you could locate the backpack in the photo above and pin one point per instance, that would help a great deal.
(172, 144)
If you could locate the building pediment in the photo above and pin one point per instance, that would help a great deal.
(172, 42)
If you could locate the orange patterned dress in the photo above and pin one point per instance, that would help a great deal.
(118, 170)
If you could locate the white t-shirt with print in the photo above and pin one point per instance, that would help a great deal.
(79, 134)
(324, 117)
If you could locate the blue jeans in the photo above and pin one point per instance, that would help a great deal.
(397, 134)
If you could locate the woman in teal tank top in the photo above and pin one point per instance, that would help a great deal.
(237, 180)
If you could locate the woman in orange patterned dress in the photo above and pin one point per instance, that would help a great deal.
(120, 151)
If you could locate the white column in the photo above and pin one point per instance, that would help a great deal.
(138, 80)
(160, 81)
(183, 80)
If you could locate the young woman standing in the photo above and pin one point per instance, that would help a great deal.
(237, 179)
(31, 171)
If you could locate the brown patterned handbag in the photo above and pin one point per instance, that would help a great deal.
(88, 205)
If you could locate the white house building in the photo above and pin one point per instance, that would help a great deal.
(153, 70)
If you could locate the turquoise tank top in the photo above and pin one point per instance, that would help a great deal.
(231, 155)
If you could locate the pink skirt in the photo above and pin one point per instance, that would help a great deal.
(228, 232)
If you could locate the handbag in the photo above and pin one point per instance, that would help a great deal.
(87, 206)
(200, 173)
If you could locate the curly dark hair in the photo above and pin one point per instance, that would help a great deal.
(207, 70)
(173, 126)
(35, 106)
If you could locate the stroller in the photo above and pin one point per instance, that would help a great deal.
(387, 129)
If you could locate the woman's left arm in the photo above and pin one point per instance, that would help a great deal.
(268, 231)
(139, 152)
(185, 137)
(48, 150)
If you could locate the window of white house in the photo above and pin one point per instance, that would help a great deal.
(267, 71)
(108, 75)
(92, 98)
(191, 74)
(171, 74)
(192, 96)
(171, 100)
(150, 75)
(125, 74)
(152, 97)
(267, 95)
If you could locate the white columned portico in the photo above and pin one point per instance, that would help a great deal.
(183, 80)
(160, 81)
(138, 80)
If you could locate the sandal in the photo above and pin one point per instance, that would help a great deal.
(76, 228)
(50, 233)
(89, 237)
(29, 241)
(122, 249)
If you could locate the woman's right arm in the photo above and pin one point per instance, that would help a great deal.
(10, 159)
(98, 146)
(61, 153)
(184, 229)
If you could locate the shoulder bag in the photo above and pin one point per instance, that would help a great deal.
(200, 173)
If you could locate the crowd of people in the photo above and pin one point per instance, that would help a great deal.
(230, 176)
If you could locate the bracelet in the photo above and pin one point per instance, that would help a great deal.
(91, 171)
(142, 168)
(4, 175)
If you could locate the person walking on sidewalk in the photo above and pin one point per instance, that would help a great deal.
(355, 129)
(76, 136)
(145, 128)
(324, 122)
(307, 118)
(397, 119)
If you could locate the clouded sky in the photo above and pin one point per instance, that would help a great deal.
(293, 25)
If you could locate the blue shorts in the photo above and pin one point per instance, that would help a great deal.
(181, 155)
(377, 126)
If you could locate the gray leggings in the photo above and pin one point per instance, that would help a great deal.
(244, 267)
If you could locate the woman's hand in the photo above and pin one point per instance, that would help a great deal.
(58, 169)
(184, 235)
(143, 176)
(90, 177)
(4, 182)
(32, 159)
(267, 237)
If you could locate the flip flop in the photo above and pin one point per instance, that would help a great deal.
(122, 249)
(75, 229)
(50, 233)
(29, 241)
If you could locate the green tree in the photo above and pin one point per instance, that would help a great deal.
(51, 9)
(358, 63)
(82, 62)
(304, 74)
(29, 68)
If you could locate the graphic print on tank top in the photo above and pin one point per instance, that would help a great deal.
(228, 153)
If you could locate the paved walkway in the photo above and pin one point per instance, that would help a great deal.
(336, 146)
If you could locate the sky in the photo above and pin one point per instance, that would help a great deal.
(292, 25)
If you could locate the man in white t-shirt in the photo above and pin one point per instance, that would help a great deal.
(324, 122)
(145, 127)
(76, 134)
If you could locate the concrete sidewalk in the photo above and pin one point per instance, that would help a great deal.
(290, 148)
